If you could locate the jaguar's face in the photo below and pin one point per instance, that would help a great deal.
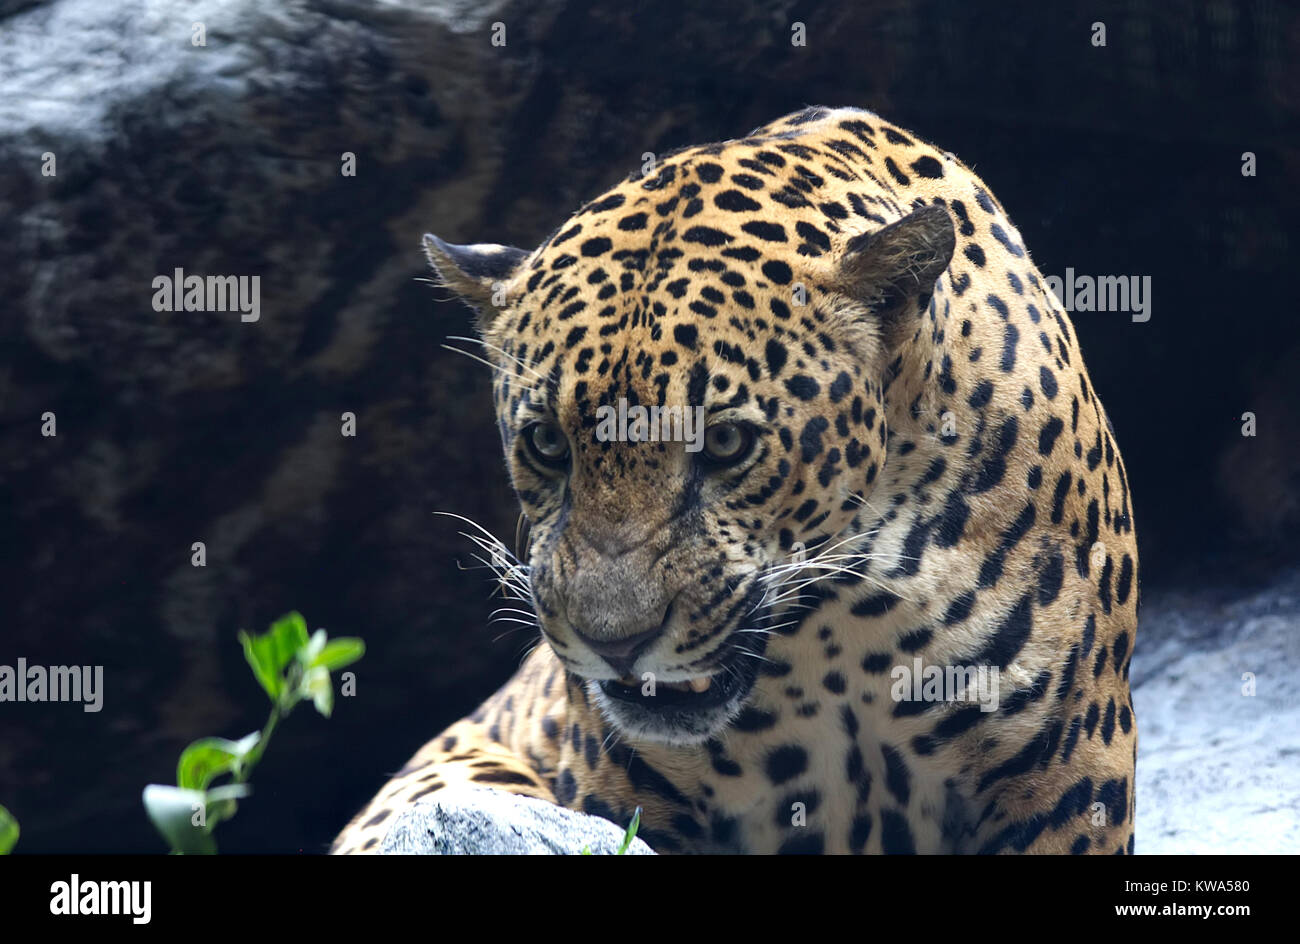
(667, 507)
(679, 435)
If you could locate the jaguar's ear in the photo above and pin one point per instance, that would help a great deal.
(893, 270)
(476, 273)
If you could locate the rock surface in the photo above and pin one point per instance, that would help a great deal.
(477, 821)
(1219, 770)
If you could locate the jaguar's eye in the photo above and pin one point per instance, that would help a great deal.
(727, 443)
(547, 443)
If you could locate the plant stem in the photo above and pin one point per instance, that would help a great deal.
(246, 768)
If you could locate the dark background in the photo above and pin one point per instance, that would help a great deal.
(181, 427)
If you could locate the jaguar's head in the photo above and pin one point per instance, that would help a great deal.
(689, 387)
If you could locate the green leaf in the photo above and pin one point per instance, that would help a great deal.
(270, 653)
(631, 832)
(260, 653)
(221, 802)
(8, 831)
(172, 810)
(209, 758)
(316, 686)
(244, 746)
(308, 653)
(339, 653)
(290, 635)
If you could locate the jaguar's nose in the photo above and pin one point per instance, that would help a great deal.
(620, 654)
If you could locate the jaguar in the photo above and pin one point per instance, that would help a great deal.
(886, 602)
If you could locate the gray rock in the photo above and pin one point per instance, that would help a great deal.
(1217, 767)
(478, 821)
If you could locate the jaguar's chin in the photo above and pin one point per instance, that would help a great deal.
(684, 713)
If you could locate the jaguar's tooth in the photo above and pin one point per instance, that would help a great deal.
(700, 684)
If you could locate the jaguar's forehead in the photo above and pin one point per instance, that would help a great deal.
(705, 210)
(717, 256)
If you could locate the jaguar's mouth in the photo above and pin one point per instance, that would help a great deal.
(705, 691)
(692, 710)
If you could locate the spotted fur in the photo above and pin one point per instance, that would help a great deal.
(931, 477)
